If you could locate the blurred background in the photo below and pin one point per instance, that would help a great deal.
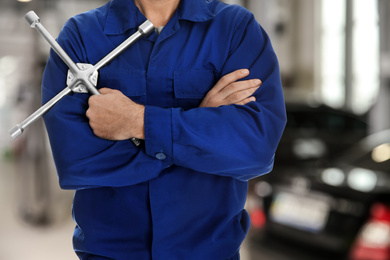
(329, 194)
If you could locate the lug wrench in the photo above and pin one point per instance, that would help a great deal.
(81, 78)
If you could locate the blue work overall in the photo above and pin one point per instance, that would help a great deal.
(181, 194)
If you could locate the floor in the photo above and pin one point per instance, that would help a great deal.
(22, 241)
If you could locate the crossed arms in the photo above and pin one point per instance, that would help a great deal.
(110, 117)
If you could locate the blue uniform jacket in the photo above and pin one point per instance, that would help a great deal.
(182, 194)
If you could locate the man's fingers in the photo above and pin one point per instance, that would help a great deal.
(240, 95)
(95, 100)
(240, 90)
(240, 86)
(230, 78)
(246, 101)
(231, 90)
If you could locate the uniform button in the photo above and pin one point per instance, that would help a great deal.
(161, 156)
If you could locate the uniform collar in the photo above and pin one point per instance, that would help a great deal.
(124, 14)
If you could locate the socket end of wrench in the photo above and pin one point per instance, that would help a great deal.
(32, 19)
(16, 131)
(146, 28)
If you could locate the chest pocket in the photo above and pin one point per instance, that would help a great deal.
(191, 86)
(131, 83)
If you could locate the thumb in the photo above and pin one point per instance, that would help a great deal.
(105, 91)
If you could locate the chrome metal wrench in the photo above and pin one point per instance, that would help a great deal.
(81, 78)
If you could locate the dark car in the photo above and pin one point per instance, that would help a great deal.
(323, 189)
(366, 167)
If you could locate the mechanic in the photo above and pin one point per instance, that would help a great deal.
(191, 90)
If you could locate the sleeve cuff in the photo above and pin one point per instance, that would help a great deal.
(158, 134)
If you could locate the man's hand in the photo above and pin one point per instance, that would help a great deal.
(229, 90)
(114, 116)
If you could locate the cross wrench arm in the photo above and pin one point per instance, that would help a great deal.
(16, 131)
(143, 30)
(33, 20)
(80, 77)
